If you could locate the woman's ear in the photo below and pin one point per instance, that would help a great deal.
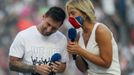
(85, 16)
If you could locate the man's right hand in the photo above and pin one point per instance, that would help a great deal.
(42, 69)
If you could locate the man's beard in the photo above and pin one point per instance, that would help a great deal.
(47, 33)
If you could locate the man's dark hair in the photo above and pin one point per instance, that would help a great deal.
(56, 13)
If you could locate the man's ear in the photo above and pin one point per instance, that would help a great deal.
(43, 16)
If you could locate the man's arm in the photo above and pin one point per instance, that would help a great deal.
(16, 64)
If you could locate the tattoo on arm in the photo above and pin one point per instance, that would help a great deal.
(16, 64)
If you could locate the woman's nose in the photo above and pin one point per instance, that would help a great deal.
(71, 15)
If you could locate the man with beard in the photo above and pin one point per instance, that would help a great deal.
(32, 49)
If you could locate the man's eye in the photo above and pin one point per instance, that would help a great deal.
(48, 24)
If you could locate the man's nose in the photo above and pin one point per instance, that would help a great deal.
(49, 29)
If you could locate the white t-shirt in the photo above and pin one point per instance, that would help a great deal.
(37, 49)
(92, 47)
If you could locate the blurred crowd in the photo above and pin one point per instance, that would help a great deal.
(17, 15)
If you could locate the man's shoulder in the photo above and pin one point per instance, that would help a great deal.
(27, 31)
(60, 34)
(60, 38)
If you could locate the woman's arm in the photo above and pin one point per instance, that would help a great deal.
(104, 40)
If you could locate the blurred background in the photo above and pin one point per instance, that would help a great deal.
(118, 15)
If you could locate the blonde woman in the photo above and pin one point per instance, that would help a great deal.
(96, 44)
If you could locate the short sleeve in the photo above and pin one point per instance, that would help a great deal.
(17, 47)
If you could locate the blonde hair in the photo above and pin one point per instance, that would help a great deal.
(84, 6)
